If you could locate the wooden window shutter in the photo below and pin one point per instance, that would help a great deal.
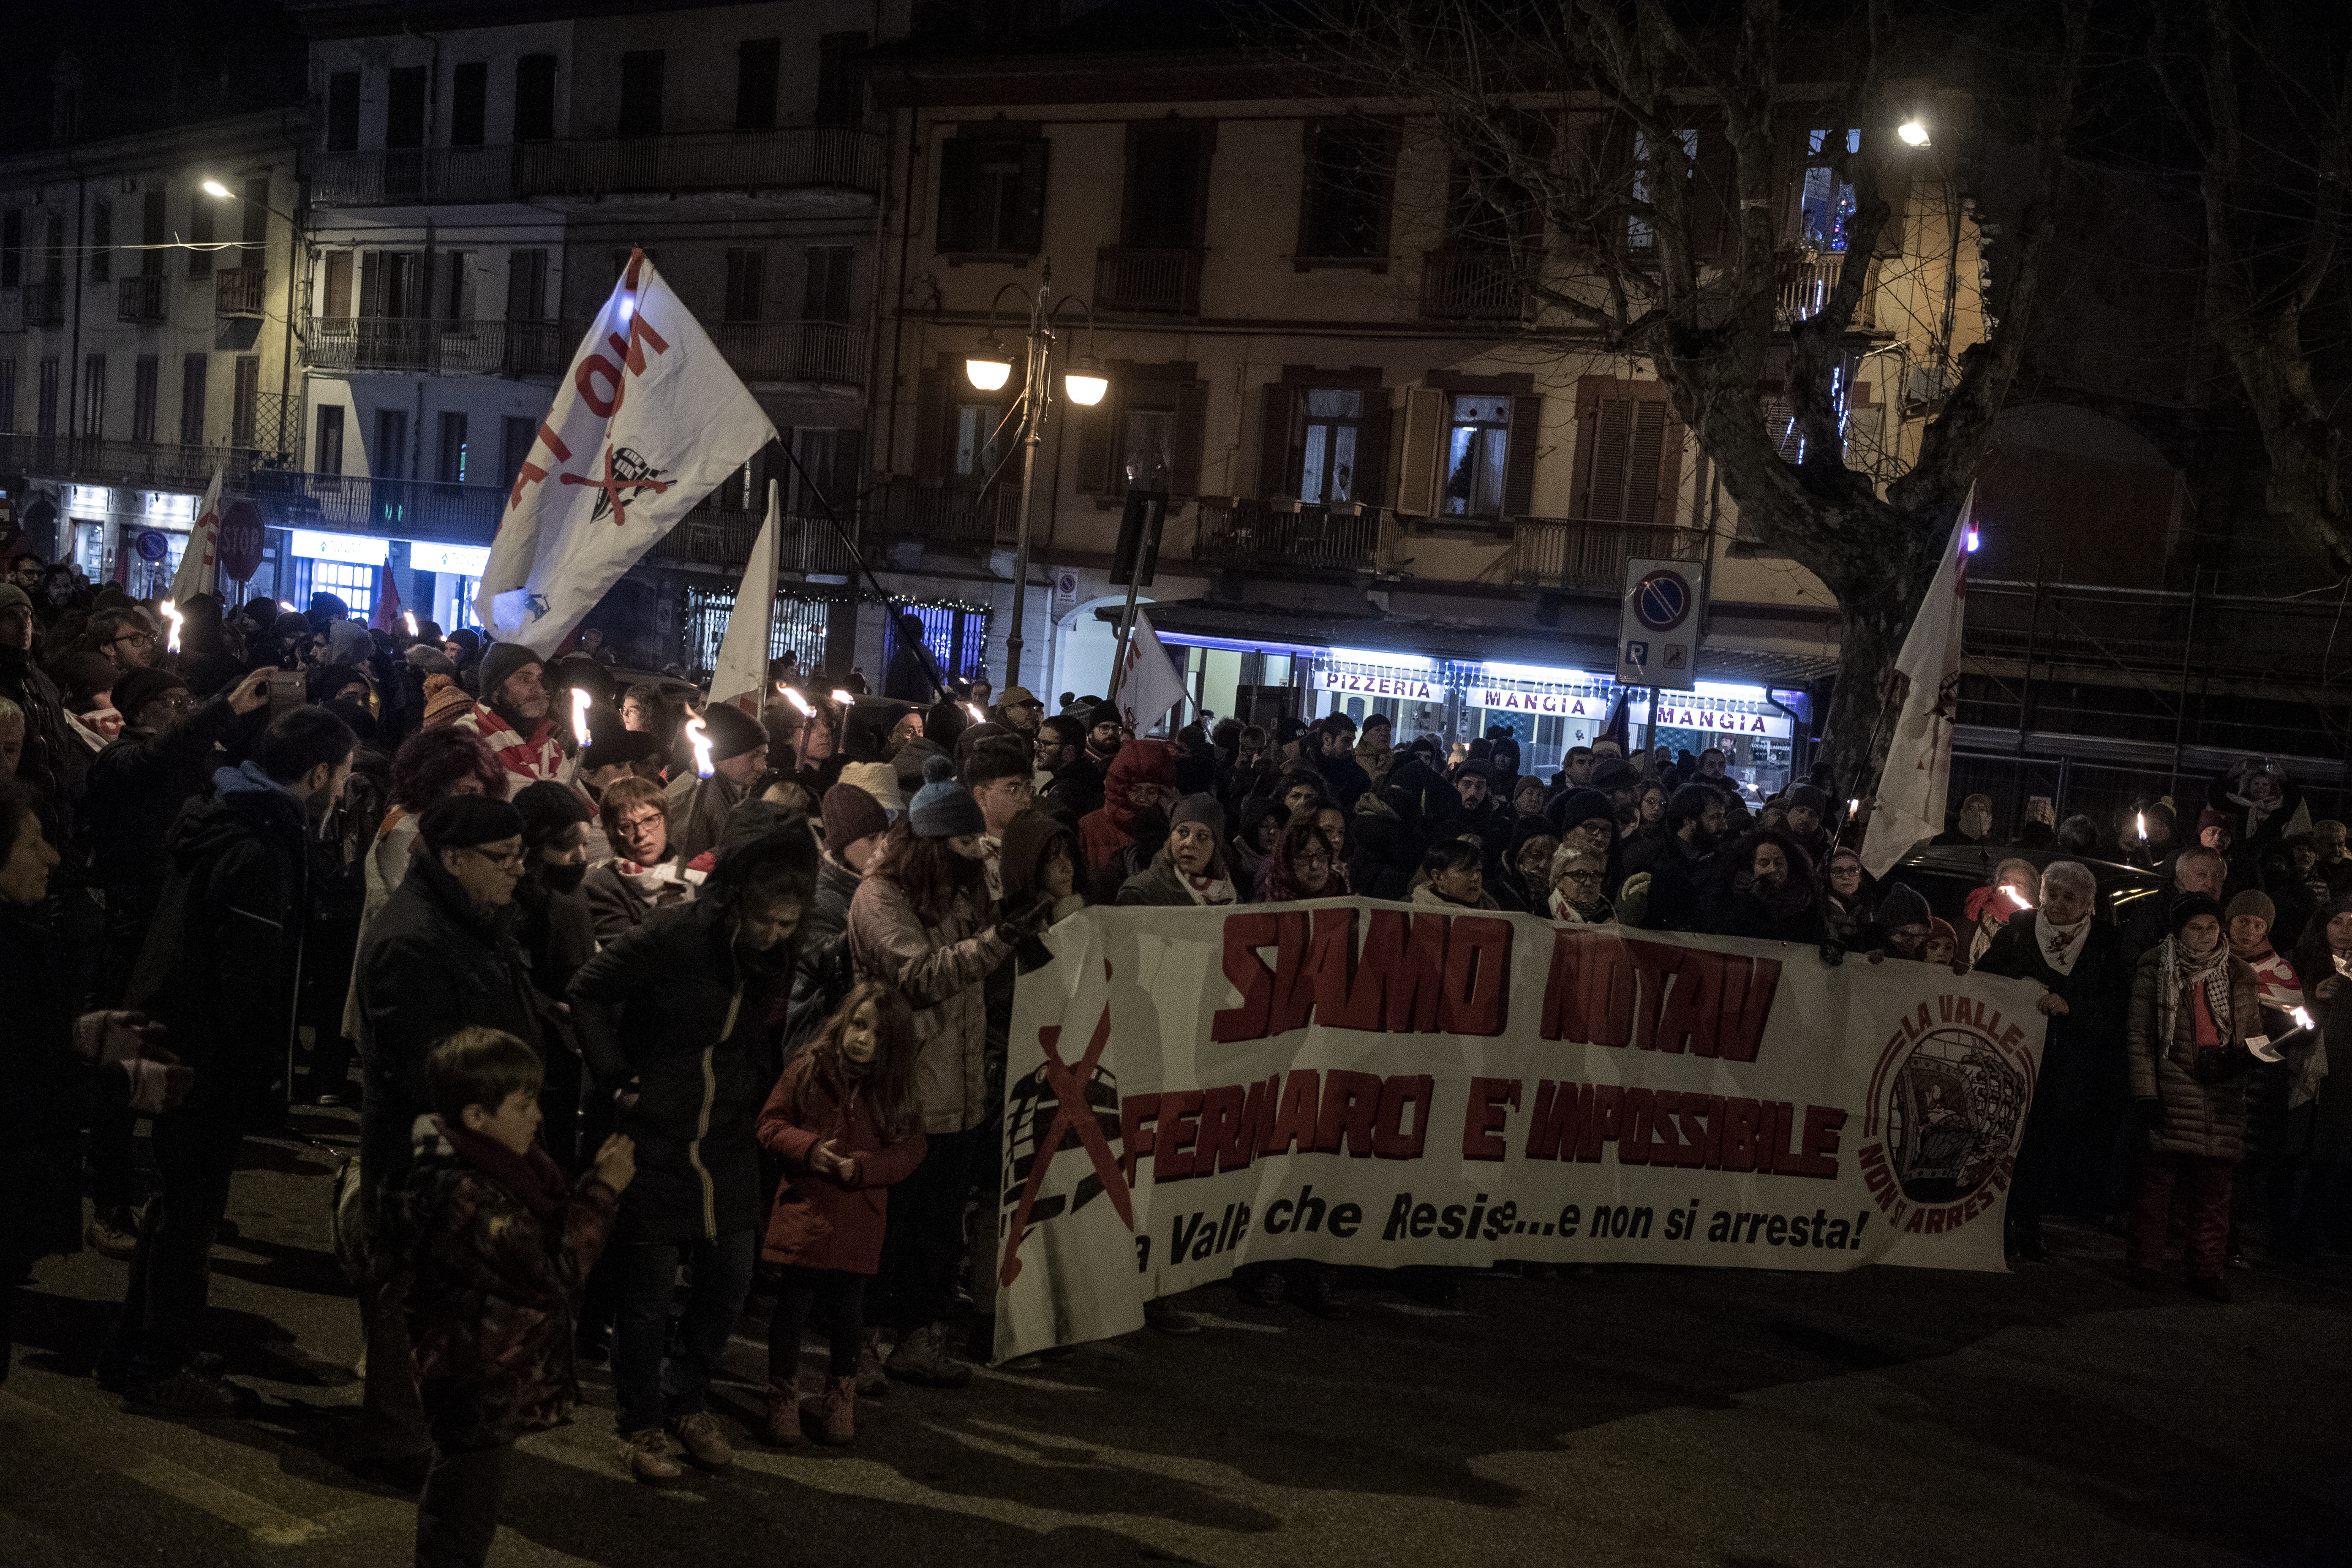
(1029, 227)
(1417, 470)
(848, 475)
(1277, 439)
(372, 283)
(930, 424)
(1668, 489)
(339, 285)
(1372, 448)
(1648, 434)
(956, 158)
(1191, 431)
(1610, 426)
(1096, 426)
(1519, 460)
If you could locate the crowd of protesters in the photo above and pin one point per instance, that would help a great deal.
(651, 1006)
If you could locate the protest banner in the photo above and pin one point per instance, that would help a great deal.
(1192, 1089)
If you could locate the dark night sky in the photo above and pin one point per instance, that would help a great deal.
(149, 63)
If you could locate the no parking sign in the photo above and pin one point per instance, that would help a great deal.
(1657, 627)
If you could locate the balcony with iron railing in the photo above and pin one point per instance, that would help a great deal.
(45, 304)
(1471, 286)
(1587, 555)
(1146, 282)
(403, 508)
(1806, 284)
(944, 514)
(722, 536)
(133, 465)
(832, 354)
(239, 291)
(431, 347)
(139, 299)
(795, 157)
(1281, 535)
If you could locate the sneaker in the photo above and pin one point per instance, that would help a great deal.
(112, 1234)
(646, 1456)
(837, 1415)
(699, 1434)
(186, 1391)
(2213, 1288)
(872, 1381)
(1167, 1319)
(921, 1358)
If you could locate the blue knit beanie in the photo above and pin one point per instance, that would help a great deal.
(944, 808)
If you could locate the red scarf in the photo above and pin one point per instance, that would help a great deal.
(531, 1178)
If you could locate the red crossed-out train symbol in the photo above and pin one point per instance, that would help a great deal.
(1071, 1115)
(624, 470)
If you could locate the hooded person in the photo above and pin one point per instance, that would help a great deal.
(855, 824)
(921, 923)
(1121, 838)
(700, 807)
(1262, 823)
(1190, 867)
(1764, 890)
(1524, 883)
(1042, 859)
(681, 1016)
(221, 972)
(2192, 1007)
(48, 762)
(1386, 836)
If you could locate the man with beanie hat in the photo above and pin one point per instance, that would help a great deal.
(440, 956)
(1903, 922)
(699, 808)
(514, 717)
(2078, 1099)
(677, 1013)
(1807, 821)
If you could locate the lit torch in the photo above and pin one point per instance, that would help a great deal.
(171, 614)
(287, 608)
(2140, 819)
(807, 710)
(2020, 900)
(579, 714)
(2303, 1019)
(697, 735)
(977, 716)
(844, 698)
(410, 616)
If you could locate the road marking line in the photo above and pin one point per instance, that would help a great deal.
(266, 1522)
(1213, 1320)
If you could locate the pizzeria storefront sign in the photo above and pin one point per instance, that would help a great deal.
(1407, 685)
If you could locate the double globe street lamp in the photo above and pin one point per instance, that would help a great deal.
(989, 368)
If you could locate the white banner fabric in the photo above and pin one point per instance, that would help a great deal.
(1371, 1084)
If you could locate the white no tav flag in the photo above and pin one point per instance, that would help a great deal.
(743, 653)
(1919, 774)
(197, 561)
(1150, 685)
(647, 421)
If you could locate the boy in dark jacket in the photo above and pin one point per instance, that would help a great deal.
(501, 1249)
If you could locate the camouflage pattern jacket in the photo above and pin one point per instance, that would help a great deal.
(497, 1292)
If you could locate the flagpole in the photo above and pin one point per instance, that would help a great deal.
(889, 601)
(1144, 551)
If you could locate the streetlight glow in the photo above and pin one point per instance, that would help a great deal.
(987, 372)
(1084, 381)
(1913, 133)
(215, 188)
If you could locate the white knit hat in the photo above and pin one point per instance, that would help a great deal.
(877, 779)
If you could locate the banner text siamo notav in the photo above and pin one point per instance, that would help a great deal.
(1378, 1085)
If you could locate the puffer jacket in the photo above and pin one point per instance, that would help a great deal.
(822, 976)
(2201, 1117)
(941, 968)
(817, 1222)
(492, 1310)
(677, 1006)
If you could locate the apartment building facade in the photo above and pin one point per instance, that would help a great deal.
(143, 334)
(1389, 472)
(480, 182)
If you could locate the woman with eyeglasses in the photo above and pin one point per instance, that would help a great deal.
(1302, 866)
(644, 873)
(1577, 875)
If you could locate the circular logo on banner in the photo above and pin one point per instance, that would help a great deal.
(152, 546)
(240, 539)
(1945, 1114)
(1662, 600)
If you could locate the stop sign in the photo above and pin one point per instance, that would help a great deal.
(240, 539)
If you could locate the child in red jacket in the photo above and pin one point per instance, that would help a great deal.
(842, 1119)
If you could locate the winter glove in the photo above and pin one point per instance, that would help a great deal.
(103, 1039)
(1019, 925)
(2148, 1114)
(1832, 953)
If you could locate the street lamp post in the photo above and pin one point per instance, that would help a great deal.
(989, 367)
(219, 191)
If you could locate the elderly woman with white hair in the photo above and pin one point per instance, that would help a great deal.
(2079, 1099)
(1577, 875)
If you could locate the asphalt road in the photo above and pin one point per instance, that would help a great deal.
(1628, 1416)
